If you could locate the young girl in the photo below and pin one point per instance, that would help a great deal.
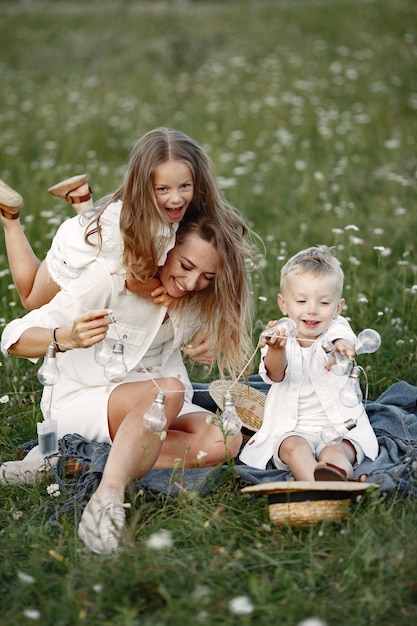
(167, 174)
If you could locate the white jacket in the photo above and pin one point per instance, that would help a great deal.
(281, 406)
(83, 385)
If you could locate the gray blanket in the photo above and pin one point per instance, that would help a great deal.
(393, 416)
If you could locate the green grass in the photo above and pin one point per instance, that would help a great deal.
(308, 110)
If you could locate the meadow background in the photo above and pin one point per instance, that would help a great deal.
(308, 110)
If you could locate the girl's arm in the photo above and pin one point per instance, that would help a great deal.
(151, 288)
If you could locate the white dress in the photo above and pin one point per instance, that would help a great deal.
(69, 254)
(80, 397)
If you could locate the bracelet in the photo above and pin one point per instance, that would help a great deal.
(56, 344)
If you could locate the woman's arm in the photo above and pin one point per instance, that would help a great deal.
(87, 330)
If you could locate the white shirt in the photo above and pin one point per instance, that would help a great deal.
(282, 402)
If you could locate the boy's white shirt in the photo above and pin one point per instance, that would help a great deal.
(281, 404)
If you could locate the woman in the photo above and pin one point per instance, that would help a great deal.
(205, 272)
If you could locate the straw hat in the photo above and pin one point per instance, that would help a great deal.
(249, 402)
(301, 503)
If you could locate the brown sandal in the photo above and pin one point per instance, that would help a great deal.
(64, 188)
(10, 202)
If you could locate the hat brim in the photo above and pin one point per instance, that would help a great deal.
(302, 503)
(293, 486)
(249, 402)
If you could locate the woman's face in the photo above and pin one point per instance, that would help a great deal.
(173, 187)
(190, 266)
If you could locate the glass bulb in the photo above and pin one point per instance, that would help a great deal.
(115, 370)
(231, 423)
(102, 353)
(351, 394)
(155, 419)
(49, 373)
(333, 434)
(339, 363)
(288, 324)
(367, 342)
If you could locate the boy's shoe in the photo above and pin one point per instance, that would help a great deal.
(10, 202)
(102, 523)
(64, 188)
(28, 471)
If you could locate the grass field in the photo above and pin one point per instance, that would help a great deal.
(308, 110)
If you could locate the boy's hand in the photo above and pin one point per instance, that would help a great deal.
(277, 338)
(345, 348)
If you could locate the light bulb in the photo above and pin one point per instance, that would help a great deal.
(288, 324)
(339, 363)
(231, 423)
(102, 353)
(115, 370)
(351, 394)
(155, 419)
(333, 434)
(49, 373)
(367, 342)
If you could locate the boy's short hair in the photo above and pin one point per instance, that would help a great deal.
(318, 260)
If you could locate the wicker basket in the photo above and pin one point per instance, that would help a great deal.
(302, 503)
(249, 402)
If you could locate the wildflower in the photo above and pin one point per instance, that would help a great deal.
(312, 621)
(53, 490)
(160, 540)
(201, 454)
(241, 605)
(4, 399)
(25, 578)
(261, 298)
(32, 614)
(351, 227)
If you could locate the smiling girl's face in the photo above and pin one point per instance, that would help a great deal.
(190, 266)
(173, 187)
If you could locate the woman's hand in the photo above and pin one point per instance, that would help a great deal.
(201, 350)
(89, 328)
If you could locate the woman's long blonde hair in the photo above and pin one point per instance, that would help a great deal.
(226, 306)
(141, 220)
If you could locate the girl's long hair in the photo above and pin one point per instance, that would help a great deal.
(141, 220)
(226, 307)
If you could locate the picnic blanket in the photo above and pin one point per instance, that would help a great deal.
(393, 416)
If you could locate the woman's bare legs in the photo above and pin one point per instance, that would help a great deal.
(135, 451)
(30, 275)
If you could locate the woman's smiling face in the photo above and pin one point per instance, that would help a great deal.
(190, 266)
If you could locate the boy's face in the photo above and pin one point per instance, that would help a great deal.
(312, 301)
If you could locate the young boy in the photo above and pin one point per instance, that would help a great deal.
(304, 394)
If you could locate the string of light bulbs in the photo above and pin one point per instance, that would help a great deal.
(115, 370)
